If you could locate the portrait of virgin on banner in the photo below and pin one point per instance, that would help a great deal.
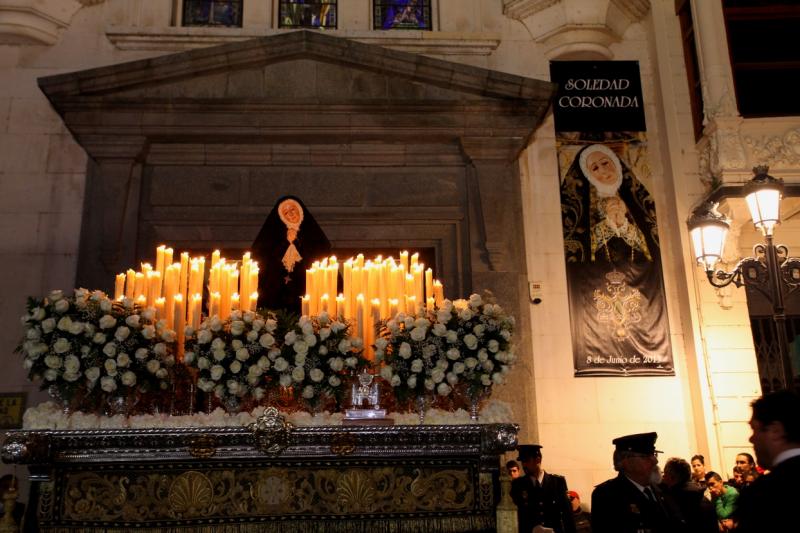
(613, 257)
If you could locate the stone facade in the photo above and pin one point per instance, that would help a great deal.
(111, 165)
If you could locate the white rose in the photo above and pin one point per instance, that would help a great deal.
(429, 384)
(204, 336)
(505, 334)
(290, 338)
(437, 375)
(62, 345)
(216, 372)
(334, 381)
(498, 378)
(169, 335)
(336, 364)
(405, 350)
(322, 350)
(263, 363)
(306, 326)
(478, 330)
(298, 374)
(252, 336)
(442, 364)
(324, 333)
(344, 346)
(471, 362)
(92, 373)
(299, 359)
(99, 338)
(453, 354)
(452, 378)
(242, 354)
(483, 355)
(396, 381)
(149, 314)
(123, 359)
(301, 347)
(475, 300)
(443, 315)
(416, 366)
(258, 324)
(351, 362)
(76, 328)
(452, 336)
(72, 364)
(439, 329)
(106, 305)
(48, 325)
(61, 306)
(133, 321)
(235, 367)
(161, 373)
(488, 365)
(281, 364)
(107, 322)
(111, 367)
(64, 323)
(51, 374)
(471, 341)
(458, 367)
(215, 323)
(141, 354)
(203, 363)
(412, 382)
(443, 389)
(233, 386)
(122, 333)
(110, 349)
(316, 375)
(418, 334)
(337, 326)
(108, 384)
(55, 295)
(258, 393)
(494, 346)
(465, 314)
(270, 325)
(160, 349)
(218, 355)
(38, 314)
(188, 357)
(285, 380)
(53, 361)
(266, 340)
(204, 385)
(237, 327)
(486, 380)
(308, 392)
(148, 332)
(386, 373)
(129, 378)
(153, 365)
(248, 317)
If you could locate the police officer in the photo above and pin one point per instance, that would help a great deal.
(541, 497)
(632, 501)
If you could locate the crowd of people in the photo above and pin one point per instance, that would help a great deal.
(684, 497)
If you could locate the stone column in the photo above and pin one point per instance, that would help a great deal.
(721, 150)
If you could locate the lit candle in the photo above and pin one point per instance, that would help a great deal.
(213, 304)
(404, 261)
(215, 256)
(197, 304)
(160, 303)
(183, 283)
(167, 259)
(234, 301)
(305, 302)
(347, 281)
(130, 284)
(139, 287)
(252, 285)
(119, 287)
(438, 292)
(160, 259)
(253, 305)
(179, 319)
(360, 260)
(360, 316)
(141, 301)
(244, 280)
(411, 305)
(428, 283)
(323, 303)
(393, 307)
(430, 302)
(153, 287)
(340, 305)
(414, 260)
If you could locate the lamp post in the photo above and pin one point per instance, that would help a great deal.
(770, 270)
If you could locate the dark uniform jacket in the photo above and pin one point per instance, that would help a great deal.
(547, 505)
(769, 503)
(618, 506)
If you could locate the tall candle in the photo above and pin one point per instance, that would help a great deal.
(167, 258)
(130, 284)
(359, 315)
(179, 319)
(304, 305)
(253, 304)
(213, 304)
(235, 301)
(414, 260)
(159, 305)
(160, 259)
(183, 283)
(323, 303)
(393, 307)
(340, 306)
(197, 301)
(404, 261)
(119, 287)
(428, 283)
(140, 287)
(215, 256)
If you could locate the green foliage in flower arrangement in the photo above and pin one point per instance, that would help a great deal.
(317, 357)
(89, 346)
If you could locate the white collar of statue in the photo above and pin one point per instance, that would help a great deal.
(604, 190)
(291, 214)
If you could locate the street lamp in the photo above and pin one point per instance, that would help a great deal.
(770, 270)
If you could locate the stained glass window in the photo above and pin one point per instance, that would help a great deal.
(402, 14)
(212, 13)
(307, 14)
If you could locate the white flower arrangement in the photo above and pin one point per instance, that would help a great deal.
(89, 345)
(317, 356)
(233, 357)
(478, 349)
(410, 348)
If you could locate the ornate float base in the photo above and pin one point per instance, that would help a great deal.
(265, 478)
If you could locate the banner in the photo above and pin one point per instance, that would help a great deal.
(618, 309)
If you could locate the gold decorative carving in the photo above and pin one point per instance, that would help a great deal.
(343, 443)
(202, 446)
(271, 431)
(159, 494)
(191, 495)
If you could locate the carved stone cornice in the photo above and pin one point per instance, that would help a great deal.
(32, 22)
(721, 151)
(781, 150)
(574, 31)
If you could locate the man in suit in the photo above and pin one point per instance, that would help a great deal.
(632, 501)
(541, 497)
(768, 504)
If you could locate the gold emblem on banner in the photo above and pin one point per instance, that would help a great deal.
(191, 495)
(619, 306)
